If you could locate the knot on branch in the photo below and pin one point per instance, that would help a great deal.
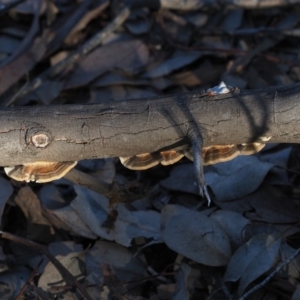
(38, 138)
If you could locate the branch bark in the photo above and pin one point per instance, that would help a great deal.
(129, 127)
(198, 4)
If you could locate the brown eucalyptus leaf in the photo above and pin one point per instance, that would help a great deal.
(73, 262)
(178, 60)
(237, 178)
(119, 224)
(233, 223)
(128, 55)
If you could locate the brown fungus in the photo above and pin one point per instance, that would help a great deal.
(41, 171)
(211, 155)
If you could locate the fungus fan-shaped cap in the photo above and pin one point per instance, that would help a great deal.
(40, 171)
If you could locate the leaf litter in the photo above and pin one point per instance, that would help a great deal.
(157, 239)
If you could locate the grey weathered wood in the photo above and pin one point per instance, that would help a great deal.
(125, 128)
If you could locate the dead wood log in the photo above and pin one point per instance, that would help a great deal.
(129, 127)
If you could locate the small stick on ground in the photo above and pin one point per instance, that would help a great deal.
(266, 280)
(34, 273)
(80, 178)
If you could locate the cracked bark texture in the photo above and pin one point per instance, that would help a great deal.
(129, 127)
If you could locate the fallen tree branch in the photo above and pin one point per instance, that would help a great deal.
(198, 4)
(126, 128)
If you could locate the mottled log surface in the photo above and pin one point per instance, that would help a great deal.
(124, 128)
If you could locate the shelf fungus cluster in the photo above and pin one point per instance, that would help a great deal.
(43, 171)
(210, 155)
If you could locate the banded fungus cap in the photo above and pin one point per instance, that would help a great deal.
(211, 155)
(40, 171)
(148, 160)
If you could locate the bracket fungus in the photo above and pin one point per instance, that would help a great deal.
(148, 160)
(41, 171)
(211, 155)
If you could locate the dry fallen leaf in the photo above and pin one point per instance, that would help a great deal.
(195, 236)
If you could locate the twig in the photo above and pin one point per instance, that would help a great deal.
(88, 181)
(264, 282)
(68, 277)
(41, 295)
(33, 274)
(114, 192)
(90, 45)
(197, 4)
(175, 18)
(225, 290)
(18, 93)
